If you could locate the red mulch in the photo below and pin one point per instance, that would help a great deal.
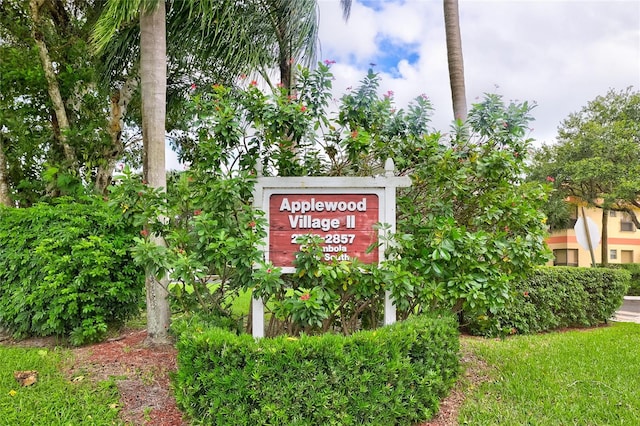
(142, 377)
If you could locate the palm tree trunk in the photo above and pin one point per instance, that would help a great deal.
(454, 57)
(153, 78)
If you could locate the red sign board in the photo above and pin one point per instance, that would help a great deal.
(344, 221)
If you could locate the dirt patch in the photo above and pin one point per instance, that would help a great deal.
(141, 374)
(474, 372)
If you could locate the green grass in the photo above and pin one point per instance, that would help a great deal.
(582, 377)
(54, 399)
(241, 304)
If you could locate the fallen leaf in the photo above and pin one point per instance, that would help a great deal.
(78, 379)
(26, 378)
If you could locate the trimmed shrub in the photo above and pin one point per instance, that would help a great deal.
(65, 270)
(634, 269)
(556, 297)
(393, 375)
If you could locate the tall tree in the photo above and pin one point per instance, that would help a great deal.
(153, 85)
(597, 157)
(153, 77)
(49, 78)
(59, 110)
(454, 58)
(294, 24)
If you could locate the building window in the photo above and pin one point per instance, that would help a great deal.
(565, 257)
(612, 213)
(626, 225)
(626, 256)
(613, 254)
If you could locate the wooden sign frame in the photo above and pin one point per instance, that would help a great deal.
(319, 195)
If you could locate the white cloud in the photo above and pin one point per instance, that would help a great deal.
(560, 54)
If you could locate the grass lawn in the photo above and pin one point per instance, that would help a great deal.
(581, 377)
(54, 399)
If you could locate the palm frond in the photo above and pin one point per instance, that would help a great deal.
(116, 14)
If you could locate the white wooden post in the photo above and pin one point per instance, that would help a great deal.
(257, 306)
(390, 215)
(257, 317)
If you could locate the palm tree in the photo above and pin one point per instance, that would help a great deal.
(211, 33)
(295, 28)
(454, 58)
(153, 85)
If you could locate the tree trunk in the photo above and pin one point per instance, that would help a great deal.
(153, 78)
(454, 58)
(5, 193)
(604, 248)
(52, 84)
(119, 102)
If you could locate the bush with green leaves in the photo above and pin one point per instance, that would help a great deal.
(557, 297)
(394, 375)
(466, 228)
(210, 230)
(634, 270)
(338, 296)
(66, 270)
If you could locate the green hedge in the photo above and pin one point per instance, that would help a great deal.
(65, 270)
(556, 297)
(391, 376)
(634, 269)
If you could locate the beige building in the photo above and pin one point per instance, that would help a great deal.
(623, 239)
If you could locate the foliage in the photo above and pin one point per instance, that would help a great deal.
(557, 297)
(473, 225)
(54, 399)
(466, 228)
(211, 234)
(322, 296)
(587, 377)
(65, 269)
(31, 130)
(596, 159)
(394, 375)
(91, 83)
(634, 270)
(241, 126)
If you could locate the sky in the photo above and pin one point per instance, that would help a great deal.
(558, 54)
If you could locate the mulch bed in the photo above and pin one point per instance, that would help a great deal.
(141, 373)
